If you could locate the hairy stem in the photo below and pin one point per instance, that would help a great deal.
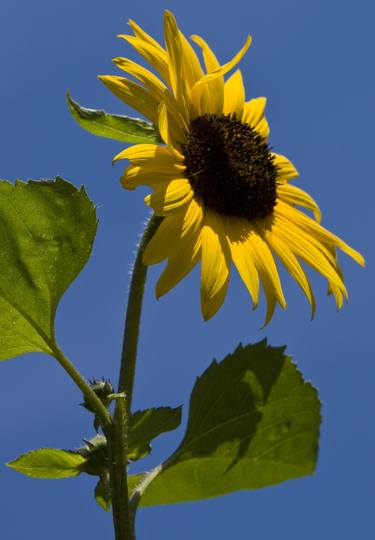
(117, 436)
(117, 452)
(133, 315)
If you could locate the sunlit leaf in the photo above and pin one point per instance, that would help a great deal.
(47, 230)
(113, 126)
(48, 463)
(253, 422)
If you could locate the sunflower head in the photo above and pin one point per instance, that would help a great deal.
(224, 195)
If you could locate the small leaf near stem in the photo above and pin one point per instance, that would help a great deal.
(113, 126)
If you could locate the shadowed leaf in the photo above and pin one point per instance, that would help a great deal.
(253, 422)
(146, 425)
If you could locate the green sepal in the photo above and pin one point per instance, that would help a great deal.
(253, 422)
(47, 230)
(113, 126)
(50, 463)
(148, 424)
(95, 453)
(103, 493)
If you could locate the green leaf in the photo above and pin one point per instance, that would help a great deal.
(47, 230)
(103, 493)
(49, 463)
(146, 425)
(253, 422)
(113, 126)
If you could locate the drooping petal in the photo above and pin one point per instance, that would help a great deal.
(175, 226)
(215, 264)
(180, 264)
(294, 195)
(242, 256)
(299, 244)
(234, 95)
(313, 228)
(290, 261)
(268, 272)
(163, 243)
(175, 194)
(253, 114)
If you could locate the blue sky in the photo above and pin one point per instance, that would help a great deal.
(312, 59)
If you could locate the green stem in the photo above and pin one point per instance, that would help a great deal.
(123, 517)
(100, 410)
(118, 450)
(133, 315)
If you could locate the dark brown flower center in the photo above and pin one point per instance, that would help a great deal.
(230, 167)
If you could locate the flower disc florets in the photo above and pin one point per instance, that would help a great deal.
(230, 167)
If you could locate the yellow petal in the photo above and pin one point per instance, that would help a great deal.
(149, 48)
(286, 169)
(309, 225)
(307, 251)
(175, 61)
(234, 95)
(222, 70)
(133, 94)
(164, 129)
(192, 68)
(253, 114)
(215, 264)
(269, 274)
(242, 258)
(291, 264)
(173, 196)
(210, 60)
(215, 88)
(180, 264)
(296, 196)
(138, 176)
(140, 154)
(165, 241)
(142, 74)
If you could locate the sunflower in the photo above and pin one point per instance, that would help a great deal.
(224, 195)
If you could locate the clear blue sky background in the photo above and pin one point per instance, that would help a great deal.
(314, 61)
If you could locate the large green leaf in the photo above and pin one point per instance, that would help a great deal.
(47, 230)
(146, 425)
(253, 422)
(113, 126)
(49, 463)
